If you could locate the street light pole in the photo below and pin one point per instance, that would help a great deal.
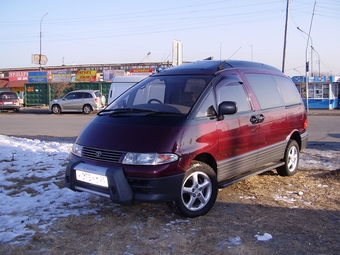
(307, 64)
(311, 49)
(40, 41)
(318, 58)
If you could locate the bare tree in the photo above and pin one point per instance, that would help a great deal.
(58, 89)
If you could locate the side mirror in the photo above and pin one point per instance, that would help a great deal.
(226, 108)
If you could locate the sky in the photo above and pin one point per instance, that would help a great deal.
(111, 32)
(31, 199)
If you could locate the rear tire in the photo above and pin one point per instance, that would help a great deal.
(291, 159)
(198, 191)
(87, 109)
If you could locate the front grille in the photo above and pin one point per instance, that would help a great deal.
(102, 155)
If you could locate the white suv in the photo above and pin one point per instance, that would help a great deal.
(84, 101)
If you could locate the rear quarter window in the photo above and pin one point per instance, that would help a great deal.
(289, 92)
(266, 90)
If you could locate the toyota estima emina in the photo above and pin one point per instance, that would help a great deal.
(181, 134)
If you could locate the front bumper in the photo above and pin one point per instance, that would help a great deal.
(123, 190)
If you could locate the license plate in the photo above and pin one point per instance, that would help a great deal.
(7, 103)
(95, 179)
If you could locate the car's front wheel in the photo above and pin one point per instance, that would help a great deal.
(198, 191)
(87, 109)
(291, 159)
(56, 109)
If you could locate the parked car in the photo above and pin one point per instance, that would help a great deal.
(84, 101)
(183, 133)
(121, 83)
(9, 101)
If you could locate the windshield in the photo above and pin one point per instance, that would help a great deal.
(162, 94)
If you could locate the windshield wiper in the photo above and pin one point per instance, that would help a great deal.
(121, 111)
(129, 110)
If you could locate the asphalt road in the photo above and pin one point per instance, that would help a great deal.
(43, 125)
(39, 123)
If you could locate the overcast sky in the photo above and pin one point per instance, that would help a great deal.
(107, 31)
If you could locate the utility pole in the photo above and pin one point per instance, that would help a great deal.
(40, 42)
(285, 37)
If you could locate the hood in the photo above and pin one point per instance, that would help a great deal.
(56, 100)
(135, 134)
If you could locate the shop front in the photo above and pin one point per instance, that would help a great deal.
(323, 91)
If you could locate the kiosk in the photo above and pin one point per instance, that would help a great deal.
(323, 91)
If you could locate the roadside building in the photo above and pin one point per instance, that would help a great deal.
(323, 91)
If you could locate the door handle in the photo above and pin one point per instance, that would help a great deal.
(260, 118)
(254, 119)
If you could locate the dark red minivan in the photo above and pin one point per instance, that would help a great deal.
(181, 134)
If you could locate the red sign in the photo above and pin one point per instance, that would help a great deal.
(18, 76)
(23, 75)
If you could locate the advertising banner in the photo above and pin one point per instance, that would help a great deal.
(142, 71)
(86, 75)
(37, 77)
(18, 76)
(61, 76)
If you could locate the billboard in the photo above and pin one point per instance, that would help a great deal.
(35, 59)
(86, 75)
(61, 76)
(37, 76)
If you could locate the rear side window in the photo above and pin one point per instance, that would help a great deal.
(266, 90)
(87, 95)
(289, 92)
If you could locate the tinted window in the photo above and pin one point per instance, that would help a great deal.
(230, 88)
(288, 90)
(87, 95)
(176, 94)
(266, 90)
(9, 95)
(97, 94)
(70, 96)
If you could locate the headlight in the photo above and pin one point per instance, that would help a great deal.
(76, 149)
(132, 158)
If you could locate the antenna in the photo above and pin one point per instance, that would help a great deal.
(234, 53)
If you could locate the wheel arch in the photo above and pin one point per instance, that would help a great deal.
(208, 159)
(296, 136)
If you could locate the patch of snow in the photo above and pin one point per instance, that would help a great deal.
(264, 237)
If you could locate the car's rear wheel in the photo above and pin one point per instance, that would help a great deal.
(291, 159)
(56, 109)
(198, 191)
(87, 109)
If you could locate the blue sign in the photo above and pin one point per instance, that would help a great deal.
(37, 77)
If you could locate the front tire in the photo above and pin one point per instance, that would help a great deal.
(198, 191)
(56, 109)
(291, 159)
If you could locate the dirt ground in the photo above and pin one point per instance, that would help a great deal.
(301, 214)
